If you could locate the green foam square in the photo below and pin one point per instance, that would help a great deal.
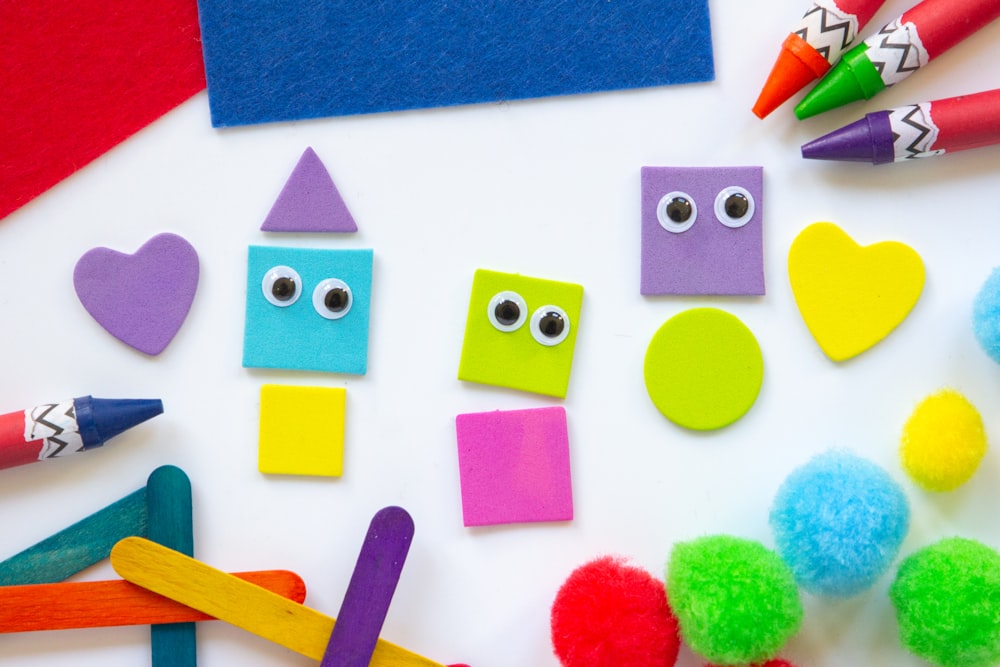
(515, 358)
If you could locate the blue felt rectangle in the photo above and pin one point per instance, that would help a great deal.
(272, 60)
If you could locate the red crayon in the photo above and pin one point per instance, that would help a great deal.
(825, 31)
(54, 430)
(914, 131)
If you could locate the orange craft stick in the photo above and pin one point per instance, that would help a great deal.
(96, 604)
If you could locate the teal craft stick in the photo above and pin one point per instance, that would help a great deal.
(79, 546)
(168, 501)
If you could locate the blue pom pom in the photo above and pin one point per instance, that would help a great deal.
(986, 316)
(838, 522)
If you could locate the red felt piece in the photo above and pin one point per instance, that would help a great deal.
(81, 76)
(610, 614)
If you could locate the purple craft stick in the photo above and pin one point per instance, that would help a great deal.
(373, 583)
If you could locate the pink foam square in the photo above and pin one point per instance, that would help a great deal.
(514, 466)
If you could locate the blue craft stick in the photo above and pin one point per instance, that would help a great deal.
(168, 499)
(373, 583)
(79, 546)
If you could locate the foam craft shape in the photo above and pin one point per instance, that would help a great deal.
(81, 77)
(270, 61)
(296, 335)
(703, 369)
(240, 603)
(851, 296)
(141, 299)
(514, 466)
(302, 430)
(309, 202)
(712, 250)
(519, 356)
(369, 593)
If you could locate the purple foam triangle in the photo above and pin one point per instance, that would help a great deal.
(309, 202)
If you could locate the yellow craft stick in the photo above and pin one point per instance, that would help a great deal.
(245, 605)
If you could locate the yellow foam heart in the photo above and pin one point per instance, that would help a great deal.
(852, 296)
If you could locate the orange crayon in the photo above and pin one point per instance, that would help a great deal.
(823, 34)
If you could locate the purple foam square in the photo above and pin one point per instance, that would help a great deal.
(709, 252)
(514, 466)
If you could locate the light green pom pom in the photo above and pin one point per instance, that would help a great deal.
(947, 599)
(736, 600)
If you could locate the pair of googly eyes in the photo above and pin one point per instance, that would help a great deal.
(508, 311)
(677, 210)
(282, 286)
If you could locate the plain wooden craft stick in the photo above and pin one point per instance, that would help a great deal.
(240, 603)
(370, 591)
(168, 505)
(98, 604)
(79, 546)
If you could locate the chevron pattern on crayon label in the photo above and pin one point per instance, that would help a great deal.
(896, 51)
(913, 132)
(54, 424)
(827, 29)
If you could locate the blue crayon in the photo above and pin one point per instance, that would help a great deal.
(54, 430)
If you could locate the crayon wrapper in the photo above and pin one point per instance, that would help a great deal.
(828, 29)
(896, 52)
(914, 132)
(55, 425)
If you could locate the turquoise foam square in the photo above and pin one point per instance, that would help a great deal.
(296, 336)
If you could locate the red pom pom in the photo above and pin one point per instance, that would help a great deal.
(610, 614)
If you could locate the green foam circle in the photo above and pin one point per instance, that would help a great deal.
(703, 369)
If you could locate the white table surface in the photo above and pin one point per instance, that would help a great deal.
(548, 188)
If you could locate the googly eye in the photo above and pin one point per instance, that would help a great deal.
(676, 212)
(550, 325)
(507, 311)
(332, 298)
(281, 286)
(734, 206)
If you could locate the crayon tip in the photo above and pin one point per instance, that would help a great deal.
(798, 64)
(854, 78)
(851, 143)
(866, 140)
(100, 419)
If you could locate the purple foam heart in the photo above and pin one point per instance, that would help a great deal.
(141, 299)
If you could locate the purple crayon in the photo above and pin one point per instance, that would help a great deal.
(914, 131)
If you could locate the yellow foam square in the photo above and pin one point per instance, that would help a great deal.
(301, 430)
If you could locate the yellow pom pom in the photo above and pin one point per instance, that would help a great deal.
(943, 441)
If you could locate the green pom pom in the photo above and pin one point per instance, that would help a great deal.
(736, 600)
(947, 599)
